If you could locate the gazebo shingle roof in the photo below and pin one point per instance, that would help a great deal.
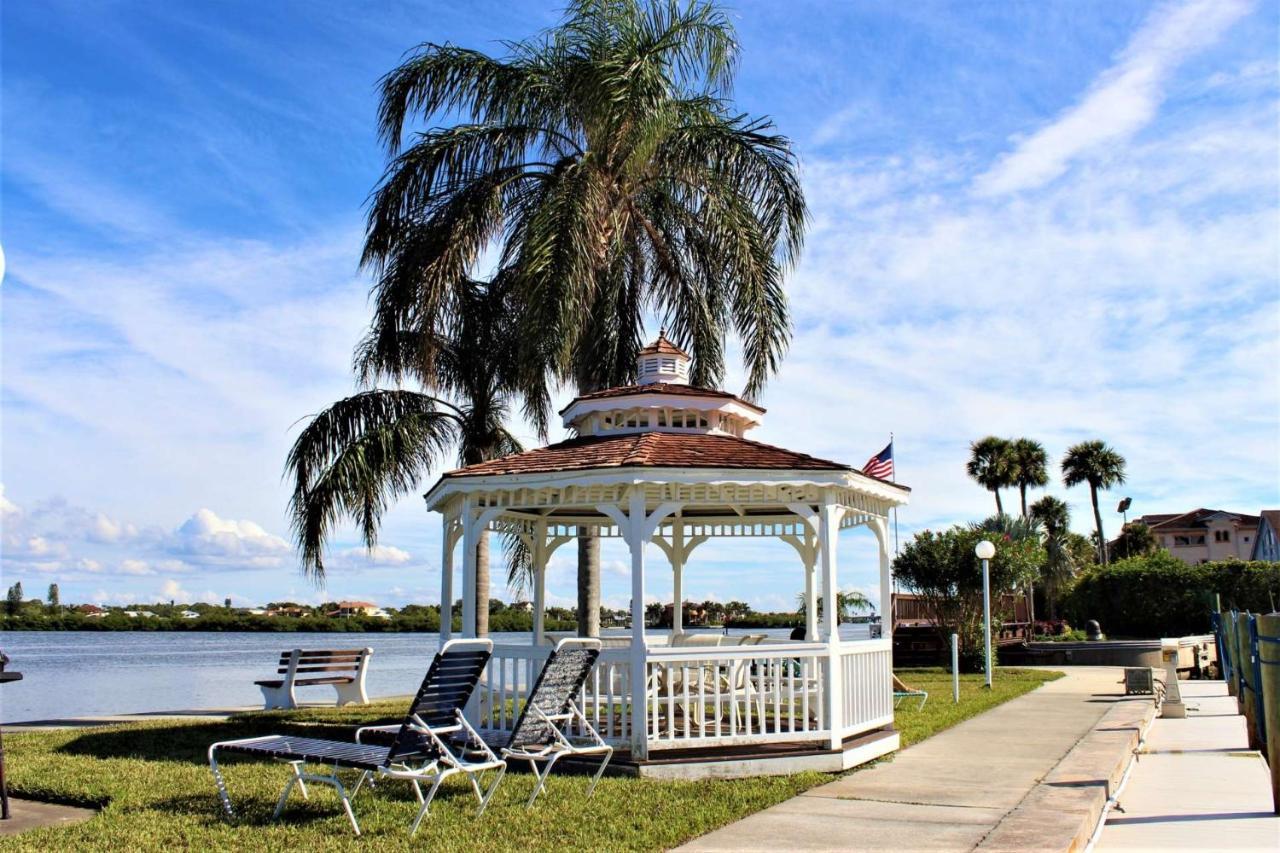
(650, 450)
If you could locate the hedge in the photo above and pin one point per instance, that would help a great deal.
(1160, 596)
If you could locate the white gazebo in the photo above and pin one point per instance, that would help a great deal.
(665, 462)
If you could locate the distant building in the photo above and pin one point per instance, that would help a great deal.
(522, 606)
(1266, 542)
(1205, 535)
(189, 614)
(359, 608)
(91, 610)
(295, 612)
(134, 614)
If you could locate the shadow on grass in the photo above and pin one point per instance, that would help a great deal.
(189, 743)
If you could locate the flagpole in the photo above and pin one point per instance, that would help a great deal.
(894, 474)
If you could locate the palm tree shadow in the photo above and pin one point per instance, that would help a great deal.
(187, 743)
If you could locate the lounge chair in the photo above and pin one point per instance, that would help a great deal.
(419, 751)
(902, 691)
(541, 733)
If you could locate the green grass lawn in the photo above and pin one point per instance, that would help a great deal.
(155, 792)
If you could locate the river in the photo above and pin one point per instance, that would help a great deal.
(88, 673)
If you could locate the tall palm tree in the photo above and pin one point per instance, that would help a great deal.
(991, 465)
(1030, 466)
(1100, 466)
(1053, 515)
(360, 455)
(604, 164)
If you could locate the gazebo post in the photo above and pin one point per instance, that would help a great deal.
(881, 528)
(468, 568)
(448, 540)
(636, 539)
(828, 527)
(539, 581)
(677, 580)
(810, 588)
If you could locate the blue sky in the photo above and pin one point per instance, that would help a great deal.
(1047, 219)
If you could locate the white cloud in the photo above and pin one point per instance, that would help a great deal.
(7, 507)
(1124, 99)
(205, 533)
(379, 555)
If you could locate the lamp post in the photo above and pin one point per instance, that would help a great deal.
(985, 551)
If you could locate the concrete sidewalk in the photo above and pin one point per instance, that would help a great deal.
(998, 780)
(1196, 784)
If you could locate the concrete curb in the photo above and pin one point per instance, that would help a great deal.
(1062, 811)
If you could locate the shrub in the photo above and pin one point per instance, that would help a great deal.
(1158, 595)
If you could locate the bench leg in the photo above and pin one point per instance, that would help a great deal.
(351, 693)
(278, 697)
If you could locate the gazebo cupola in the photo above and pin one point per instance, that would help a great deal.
(662, 401)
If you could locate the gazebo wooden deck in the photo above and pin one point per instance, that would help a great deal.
(666, 463)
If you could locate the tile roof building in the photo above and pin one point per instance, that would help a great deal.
(1206, 535)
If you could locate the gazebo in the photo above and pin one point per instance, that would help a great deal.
(667, 463)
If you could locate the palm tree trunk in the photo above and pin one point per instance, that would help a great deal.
(482, 584)
(1022, 487)
(1097, 517)
(999, 505)
(589, 584)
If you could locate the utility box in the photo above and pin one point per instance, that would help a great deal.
(1139, 681)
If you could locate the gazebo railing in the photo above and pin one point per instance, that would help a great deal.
(703, 696)
(866, 685)
(720, 696)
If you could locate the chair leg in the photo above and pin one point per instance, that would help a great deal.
(221, 784)
(484, 801)
(295, 779)
(600, 772)
(426, 803)
(346, 803)
(542, 779)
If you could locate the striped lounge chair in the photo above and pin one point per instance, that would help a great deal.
(419, 749)
(550, 727)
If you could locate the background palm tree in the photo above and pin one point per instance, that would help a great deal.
(605, 165)
(848, 602)
(357, 457)
(991, 465)
(1100, 466)
(1030, 466)
(1053, 515)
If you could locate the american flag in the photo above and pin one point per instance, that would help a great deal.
(881, 465)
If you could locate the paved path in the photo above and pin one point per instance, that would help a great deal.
(979, 783)
(1196, 784)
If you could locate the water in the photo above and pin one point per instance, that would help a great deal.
(87, 673)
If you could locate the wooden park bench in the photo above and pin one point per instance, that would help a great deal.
(343, 668)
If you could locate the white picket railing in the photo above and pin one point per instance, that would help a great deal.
(700, 696)
(866, 686)
(714, 696)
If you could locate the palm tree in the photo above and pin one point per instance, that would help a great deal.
(1100, 466)
(847, 602)
(991, 465)
(1030, 466)
(1053, 515)
(1059, 568)
(357, 457)
(604, 164)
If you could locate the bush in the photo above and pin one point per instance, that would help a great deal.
(1160, 596)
